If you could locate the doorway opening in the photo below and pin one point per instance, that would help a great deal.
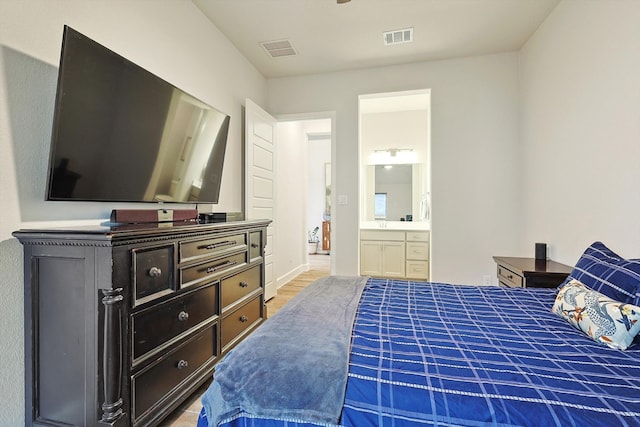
(310, 137)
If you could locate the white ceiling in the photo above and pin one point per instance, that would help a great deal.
(333, 37)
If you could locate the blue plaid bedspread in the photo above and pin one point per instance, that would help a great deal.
(427, 354)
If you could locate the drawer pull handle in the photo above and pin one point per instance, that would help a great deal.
(182, 364)
(243, 284)
(155, 272)
(254, 245)
(219, 266)
(182, 316)
(244, 319)
(218, 245)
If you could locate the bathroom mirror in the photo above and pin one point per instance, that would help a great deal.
(393, 193)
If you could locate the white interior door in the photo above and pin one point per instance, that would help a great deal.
(260, 138)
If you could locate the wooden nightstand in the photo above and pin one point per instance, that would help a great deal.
(530, 273)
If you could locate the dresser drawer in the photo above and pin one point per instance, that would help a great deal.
(236, 287)
(240, 320)
(212, 247)
(151, 385)
(209, 270)
(161, 324)
(153, 273)
(255, 245)
(418, 251)
(508, 278)
(417, 270)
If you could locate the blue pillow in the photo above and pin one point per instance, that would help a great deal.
(606, 272)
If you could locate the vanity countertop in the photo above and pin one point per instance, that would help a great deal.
(395, 225)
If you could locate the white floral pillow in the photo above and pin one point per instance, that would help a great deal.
(606, 321)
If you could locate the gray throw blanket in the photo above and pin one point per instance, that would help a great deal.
(294, 366)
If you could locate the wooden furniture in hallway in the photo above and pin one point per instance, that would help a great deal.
(326, 235)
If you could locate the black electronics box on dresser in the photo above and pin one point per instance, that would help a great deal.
(210, 217)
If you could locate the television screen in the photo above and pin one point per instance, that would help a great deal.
(122, 134)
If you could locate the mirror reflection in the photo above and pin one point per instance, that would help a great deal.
(394, 193)
(393, 188)
(193, 141)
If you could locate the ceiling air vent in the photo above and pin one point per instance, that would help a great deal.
(278, 49)
(398, 36)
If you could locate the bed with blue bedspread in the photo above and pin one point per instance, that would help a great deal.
(379, 352)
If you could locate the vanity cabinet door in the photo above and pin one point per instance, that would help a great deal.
(370, 258)
(393, 259)
(382, 258)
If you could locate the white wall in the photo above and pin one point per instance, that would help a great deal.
(168, 37)
(291, 199)
(580, 130)
(474, 146)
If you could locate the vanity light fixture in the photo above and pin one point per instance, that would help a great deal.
(394, 151)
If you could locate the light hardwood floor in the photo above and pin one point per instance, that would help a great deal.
(187, 414)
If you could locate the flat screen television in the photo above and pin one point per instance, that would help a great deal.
(122, 134)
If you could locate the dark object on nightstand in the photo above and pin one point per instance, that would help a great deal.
(530, 273)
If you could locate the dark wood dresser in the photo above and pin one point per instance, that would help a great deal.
(123, 323)
(530, 273)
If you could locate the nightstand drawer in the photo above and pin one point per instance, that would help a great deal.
(530, 272)
(508, 278)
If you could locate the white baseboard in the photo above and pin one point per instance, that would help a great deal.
(284, 279)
